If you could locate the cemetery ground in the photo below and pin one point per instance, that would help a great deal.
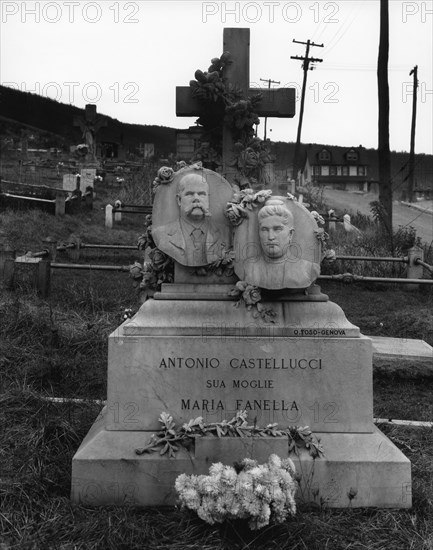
(57, 347)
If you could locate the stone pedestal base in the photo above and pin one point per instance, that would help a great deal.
(367, 466)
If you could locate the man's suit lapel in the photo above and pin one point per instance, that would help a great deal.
(175, 237)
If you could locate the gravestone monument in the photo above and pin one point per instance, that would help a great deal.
(90, 124)
(289, 357)
(70, 182)
(88, 176)
(190, 353)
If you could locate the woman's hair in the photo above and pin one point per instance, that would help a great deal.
(276, 207)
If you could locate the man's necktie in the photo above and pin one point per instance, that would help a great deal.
(197, 236)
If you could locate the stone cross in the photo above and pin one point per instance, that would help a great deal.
(276, 102)
(90, 124)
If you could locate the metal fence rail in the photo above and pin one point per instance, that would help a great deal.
(418, 261)
(95, 267)
(351, 278)
(40, 264)
(404, 260)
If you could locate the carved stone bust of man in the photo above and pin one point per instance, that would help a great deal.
(192, 237)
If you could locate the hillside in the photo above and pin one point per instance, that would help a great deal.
(56, 121)
(53, 122)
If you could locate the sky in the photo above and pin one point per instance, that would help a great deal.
(128, 58)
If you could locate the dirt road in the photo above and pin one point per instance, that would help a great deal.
(402, 215)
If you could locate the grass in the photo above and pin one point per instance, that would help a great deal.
(36, 511)
(58, 347)
(386, 310)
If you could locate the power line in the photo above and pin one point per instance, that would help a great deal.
(343, 30)
(359, 68)
(305, 67)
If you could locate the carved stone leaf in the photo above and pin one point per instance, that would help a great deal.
(164, 449)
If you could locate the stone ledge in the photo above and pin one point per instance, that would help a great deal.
(220, 318)
(106, 470)
(405, 358)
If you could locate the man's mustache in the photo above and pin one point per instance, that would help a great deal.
(195, 205)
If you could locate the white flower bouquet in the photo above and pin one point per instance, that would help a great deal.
(257, 493)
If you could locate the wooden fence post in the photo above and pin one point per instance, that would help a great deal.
(118, 211)
(331, 224)
(74, 253)
(43, 278)
(50, 245)
(7, 266)
(60, 204)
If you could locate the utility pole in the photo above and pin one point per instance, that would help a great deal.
(384, 154)
(413, 72)
(268, 80)
(305, 66)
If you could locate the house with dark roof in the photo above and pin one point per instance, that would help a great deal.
(336, 167)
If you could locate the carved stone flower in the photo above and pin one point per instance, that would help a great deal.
(241, 286)
(165, 174)
(247, 199)
(248, 159)
(319, 219)
(321, 235)
(330, 255)
(251, 295)
(233, 215)
(135, 270)
(261, 196)
(148, 279)
(159, 260)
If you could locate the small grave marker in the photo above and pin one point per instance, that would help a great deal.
(69, 182)
(87, 178)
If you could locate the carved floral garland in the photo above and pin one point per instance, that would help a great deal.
(244, 201)
(169, 437)
(158, 269)
(225, 103)
(250, 296)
